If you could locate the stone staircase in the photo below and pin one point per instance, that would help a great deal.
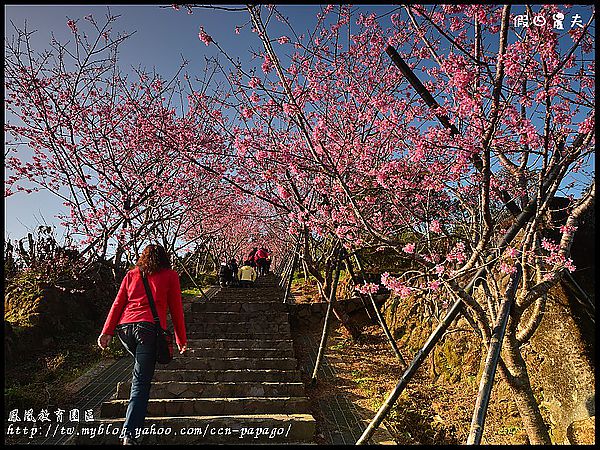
(237, 383)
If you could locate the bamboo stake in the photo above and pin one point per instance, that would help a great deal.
(292, 268)
(571, 280)
(453, 312)
(487, 378)
(386, 330)
(521, 218)
(282, 266)
(409, 372)
(286, 268)
(204, 296)
(290, 277)
(360, 294)
(326, 324)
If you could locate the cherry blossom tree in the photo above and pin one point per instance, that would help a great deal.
(445, 137)
(109, 147)
(443, 134)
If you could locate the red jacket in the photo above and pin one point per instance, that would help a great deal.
(131, 303)
(261, 254)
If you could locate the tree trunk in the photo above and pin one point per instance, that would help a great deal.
(514, 372)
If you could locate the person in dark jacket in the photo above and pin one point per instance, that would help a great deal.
(225, 275)
(251, 255)
(260, 258)
(234, 271)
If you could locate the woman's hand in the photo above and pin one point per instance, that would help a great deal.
(182, 348)
(104, 340)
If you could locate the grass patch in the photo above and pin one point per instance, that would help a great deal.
(193, 292)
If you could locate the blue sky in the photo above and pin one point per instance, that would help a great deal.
(162, 37)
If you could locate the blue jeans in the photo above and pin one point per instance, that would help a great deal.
(139, 339)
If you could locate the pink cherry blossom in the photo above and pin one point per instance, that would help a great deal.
(71, 24)
(567, 229)
(204, 37)
(435, 226)
(367, 288)
(434, 285)
(267, 64)
(508, 269)
(409, 248)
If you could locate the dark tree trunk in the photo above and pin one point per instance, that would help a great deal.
(514, 372)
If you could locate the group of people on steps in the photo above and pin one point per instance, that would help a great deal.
(257, 263)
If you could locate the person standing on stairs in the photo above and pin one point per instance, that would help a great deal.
(268, 262)
(234, 270)
(260, 258)
(251, 255)
(225, 275)
(132, 319)
(246, 275)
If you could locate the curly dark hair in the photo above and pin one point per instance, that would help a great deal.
(153, 258)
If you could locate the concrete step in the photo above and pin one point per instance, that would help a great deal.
(219, 343)
(197, 389)
(248, 301)
(193, 430)
(237, 375)
(241, 336)
(238, 353)
(210, 406)
(185, 363)
(237, 327)
(237, 317)
(250, 295)
(237, 306)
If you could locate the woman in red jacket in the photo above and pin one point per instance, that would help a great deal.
(132, 319)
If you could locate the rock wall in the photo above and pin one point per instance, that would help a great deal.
(308, 315)
(562, 371)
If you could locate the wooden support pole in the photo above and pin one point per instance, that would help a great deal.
(434, 338)
(327, 322)
(286, 263)
(285, 270)
(360, 294)
(291, 274)
(409, 372)
(204, 296)
(487, 378)
(381, 319)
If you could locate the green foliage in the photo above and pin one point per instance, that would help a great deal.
(191, 292)
(510, 430)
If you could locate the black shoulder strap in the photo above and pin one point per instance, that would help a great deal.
(150, 298)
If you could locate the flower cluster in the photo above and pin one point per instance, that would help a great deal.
(409, 248)
(368, 288)
(396, 285)
(204, 37)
